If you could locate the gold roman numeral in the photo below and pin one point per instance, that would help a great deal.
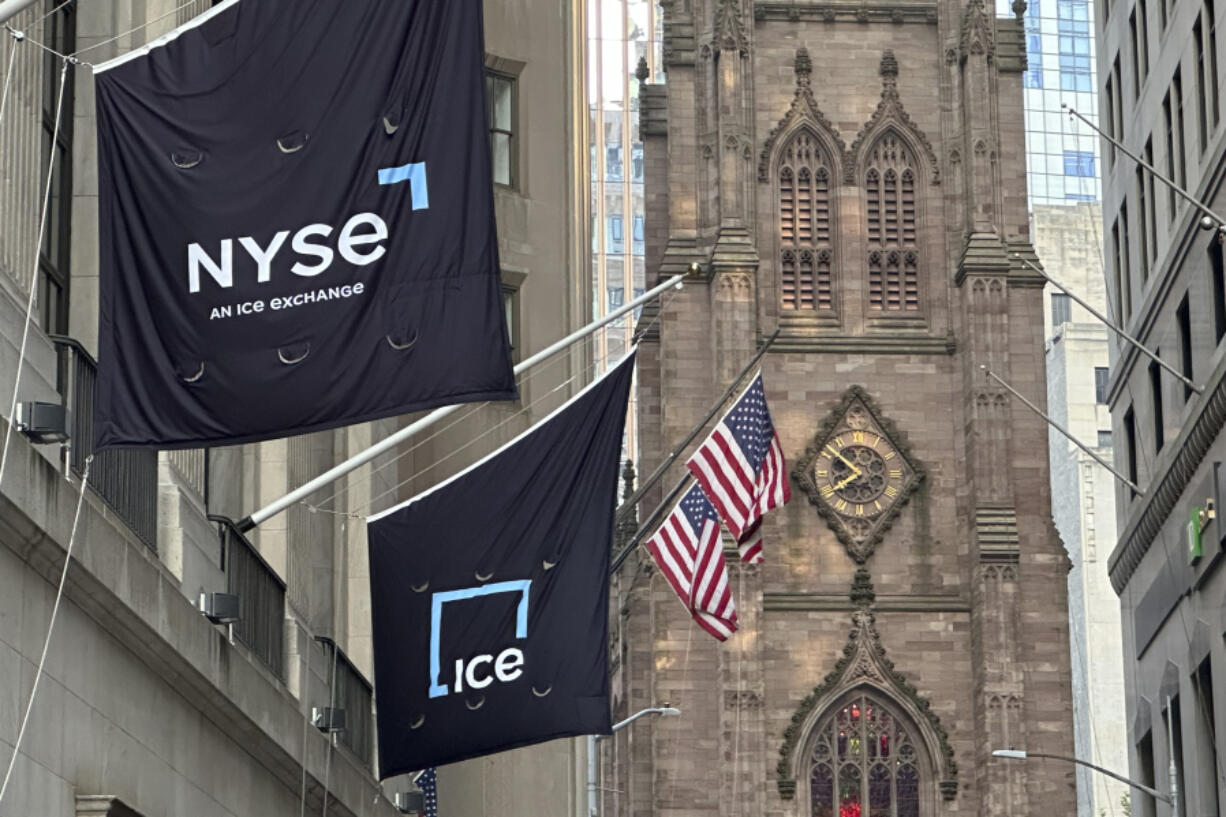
(876, 439)
(859, 510)
(857, 436)
(895, 473)
(889, 455)
(876, 504)
(891, 491)
(839, 442)
(841, 505)
(822, 472)
(827, 491)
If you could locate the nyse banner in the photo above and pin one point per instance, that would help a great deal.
(296, 223)
(489, 594)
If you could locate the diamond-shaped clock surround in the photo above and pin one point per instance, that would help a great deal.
(856, 411)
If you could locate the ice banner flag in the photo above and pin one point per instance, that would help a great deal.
(489, 593)
(296, 223)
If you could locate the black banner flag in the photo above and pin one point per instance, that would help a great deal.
(489, 593)
(296, 223)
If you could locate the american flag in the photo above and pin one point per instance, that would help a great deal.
(741, 468)
(427, 781)
(688, 551)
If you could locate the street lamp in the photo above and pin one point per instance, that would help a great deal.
(1014, 754)
(593, 762)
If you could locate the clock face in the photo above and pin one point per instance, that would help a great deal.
(856, 474)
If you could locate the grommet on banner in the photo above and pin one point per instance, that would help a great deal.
(480, 703)
(400, 347)
(292, 142)
(420, 588)
(291, 358)
(484, 578)
(417, 723)
(548, 565)
(185, 159)
(548, 689)
(194, 377)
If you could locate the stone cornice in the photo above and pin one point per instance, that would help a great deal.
(899, 344)
(924, 13)
(1185, 455)
(840, 603)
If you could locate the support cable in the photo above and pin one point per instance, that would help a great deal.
(1061, 429)
(38, 248)
(1118, 330)
(55, 609)
(1208, 214)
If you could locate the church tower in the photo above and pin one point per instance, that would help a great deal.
(851, 177)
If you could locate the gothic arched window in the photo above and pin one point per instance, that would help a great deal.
(893, 249)
(806, 255)
(864, 763)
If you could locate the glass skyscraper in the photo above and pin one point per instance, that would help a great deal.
(620, 34)
(1062, 154)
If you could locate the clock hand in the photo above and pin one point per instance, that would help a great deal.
(849, 464)
(844, 482)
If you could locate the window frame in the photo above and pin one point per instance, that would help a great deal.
(501, 69)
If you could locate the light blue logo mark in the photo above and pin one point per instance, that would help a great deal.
(436, 618)
(415, 174)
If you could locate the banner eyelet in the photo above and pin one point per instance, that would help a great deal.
(548, 689)
(484, 578)
(480, 703)
(293, 142)
(400, 347)
(290, 361)
(199, 374)
(388, 127)
(417, 723)
(420, 588)
(185, 160)
(548, 565)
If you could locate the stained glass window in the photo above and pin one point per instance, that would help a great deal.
(863, 764)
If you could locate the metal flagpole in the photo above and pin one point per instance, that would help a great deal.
(1209, 214)
(363, 457)
(1062, 430)
(628, 506)
(10, 8)
(1112, 326)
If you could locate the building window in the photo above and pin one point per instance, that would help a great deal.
(1061, 309)
(59, 33)
(1118, 102)
(616, 237)
(617, 297)
(1145, 806)
(1202, 116)
(864, 762)
(1155, 391)
(638, 235)
(1150, 226)
(1206, 744)
(500, 94)
(1177, 85)
(1137, 76)
(890, 197)
(1079, 163)
(1104, 439)
(1168, 119)
(1143, 37)
(1073, 25)
(1210, 46)
(1102, 378)
(1130, 453)
(636, 162)
(1183, 322)
(613, 163)
(1124, 262)
(1112, 130)
(806, 226)
(510, 312)
(1218, 276)
(1142, 225)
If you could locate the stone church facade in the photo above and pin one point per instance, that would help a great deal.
(850, 177)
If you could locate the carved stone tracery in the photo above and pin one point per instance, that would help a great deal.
(804, 111)
(890, 114)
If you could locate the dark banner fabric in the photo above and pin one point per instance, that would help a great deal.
(489, 593)
(296, 223)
